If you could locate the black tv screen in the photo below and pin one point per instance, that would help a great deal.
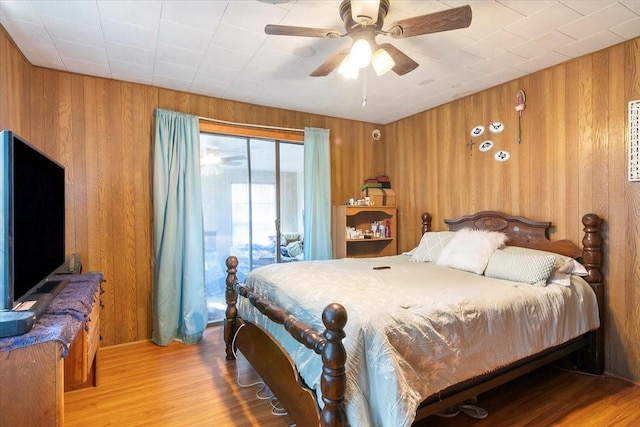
(36, 216)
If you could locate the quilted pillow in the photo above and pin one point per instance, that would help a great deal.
(430, 246)
(470, 250)
(563, 267)
(520, 267)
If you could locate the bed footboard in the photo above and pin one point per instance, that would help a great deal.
(328, 344)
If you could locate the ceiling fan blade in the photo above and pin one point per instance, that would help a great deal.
(404, 64)
(286, 30)
(450, 19)
(233, 158)
(330, 64)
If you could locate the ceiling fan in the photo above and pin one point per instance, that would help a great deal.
(212, 156)
(363, 22)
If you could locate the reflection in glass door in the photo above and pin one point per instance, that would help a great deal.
(252, 205)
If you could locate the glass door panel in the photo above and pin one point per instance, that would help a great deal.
(249, 186)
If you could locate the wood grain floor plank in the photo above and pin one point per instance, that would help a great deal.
(143, 384)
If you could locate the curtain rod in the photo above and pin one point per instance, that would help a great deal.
(249, 125)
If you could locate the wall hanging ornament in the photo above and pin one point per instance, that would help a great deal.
(477, 130)
(502, 156)
(520, 98)
(486, 146)
(496, 127)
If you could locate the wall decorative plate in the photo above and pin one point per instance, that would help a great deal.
(502, 156)
(376, 134)
(496, 127)
(477, 130)
(486, 146)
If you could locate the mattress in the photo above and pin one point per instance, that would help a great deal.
(416, 328)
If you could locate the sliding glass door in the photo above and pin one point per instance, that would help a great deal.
(252, 204)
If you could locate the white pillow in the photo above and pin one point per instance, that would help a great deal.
(520, 267)
(430, 246)
(470, 250)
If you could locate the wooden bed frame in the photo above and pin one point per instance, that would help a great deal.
(279, 373)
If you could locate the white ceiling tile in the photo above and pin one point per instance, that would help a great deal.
(42, 53)
(527, 8)
(496, 63)
(540, 62)
(27, 32)
(202, 15)
(174, 54)
(87, 67)
(76, 11)
(226, 58)
(81, 52)
(169, 83)
(597, 21)
(19, 10)
(590, 44)
(237, 39)
(80, 33)
(490, 19)
(494, 44)
(126, 53)
(589, 6)
(251, 16)
(500, 77)
(544, 21)
(633, 5)
(174, 71)
(216, 72)
(132, 35)
(627, 30)
(131, 70)
(186, 37)
(543, 44)
(138, 13)
(208, 87)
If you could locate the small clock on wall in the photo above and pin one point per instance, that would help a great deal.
(376, 134)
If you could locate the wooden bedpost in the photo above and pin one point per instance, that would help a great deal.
(334, 380)
(426, 222)
(231, 313)
(593, 357)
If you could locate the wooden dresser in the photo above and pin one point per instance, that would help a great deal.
(36, 371)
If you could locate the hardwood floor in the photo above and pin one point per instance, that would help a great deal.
(179, 385)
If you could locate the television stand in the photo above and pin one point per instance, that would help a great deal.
(60, 353)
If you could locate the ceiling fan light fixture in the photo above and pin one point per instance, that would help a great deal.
(382, 62)
(348, 69)
(361, 53)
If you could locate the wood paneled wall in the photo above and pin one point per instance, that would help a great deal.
(572, 160)
(101, 130)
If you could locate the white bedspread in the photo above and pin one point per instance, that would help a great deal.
(417, 328)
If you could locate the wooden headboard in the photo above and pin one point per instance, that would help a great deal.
(535, 235)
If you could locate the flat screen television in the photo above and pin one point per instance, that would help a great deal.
(32, 220)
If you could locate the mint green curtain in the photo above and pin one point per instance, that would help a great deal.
(179, 305)
(317, 194)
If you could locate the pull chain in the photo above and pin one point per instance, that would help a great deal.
(364, 88)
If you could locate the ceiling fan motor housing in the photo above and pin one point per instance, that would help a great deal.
(347, 17)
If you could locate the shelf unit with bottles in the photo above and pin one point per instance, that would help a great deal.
(361, 217)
